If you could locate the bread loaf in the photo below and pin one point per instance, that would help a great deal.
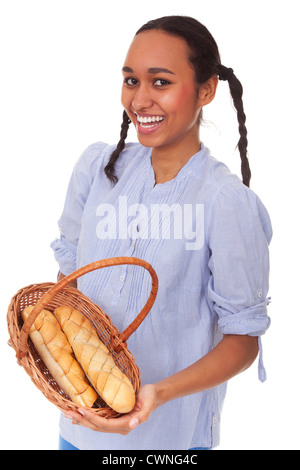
(57, 355)
(106, 378)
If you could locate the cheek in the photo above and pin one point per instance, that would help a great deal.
(123, 97)
(126, 99)
(183, 101)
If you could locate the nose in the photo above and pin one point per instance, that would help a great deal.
(142, 98)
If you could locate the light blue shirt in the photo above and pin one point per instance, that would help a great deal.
(207, 236)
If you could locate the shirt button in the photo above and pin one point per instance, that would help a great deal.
(122, 278)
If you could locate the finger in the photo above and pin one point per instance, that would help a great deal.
(77, 418)
(122, 424)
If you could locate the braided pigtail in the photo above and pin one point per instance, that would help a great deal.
(236, 91)
(205, 59)
(110, 167)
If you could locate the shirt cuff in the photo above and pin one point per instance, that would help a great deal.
(65, 255)
(252, 321)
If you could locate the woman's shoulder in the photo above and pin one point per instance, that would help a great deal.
(104, 150)
(217, 174)
(97, 155)
(229, 195)
(132, 151)
(223, 182)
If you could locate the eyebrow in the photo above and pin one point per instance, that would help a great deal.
(153, 70)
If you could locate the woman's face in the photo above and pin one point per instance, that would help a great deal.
(159, 92)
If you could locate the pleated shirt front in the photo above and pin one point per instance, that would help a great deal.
(207, 236)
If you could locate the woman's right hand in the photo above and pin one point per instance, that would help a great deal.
(146, 403)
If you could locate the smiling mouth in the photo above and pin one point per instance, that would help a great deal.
(148, 123)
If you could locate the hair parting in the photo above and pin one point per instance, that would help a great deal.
(205, 59)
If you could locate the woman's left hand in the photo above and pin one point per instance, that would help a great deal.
(146, 403)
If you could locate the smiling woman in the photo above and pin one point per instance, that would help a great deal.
(163, 101)
(211, 310)
(185, 43)
(156, 99)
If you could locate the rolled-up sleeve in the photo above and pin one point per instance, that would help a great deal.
(65, 247)
(239, 236)
(65, 255)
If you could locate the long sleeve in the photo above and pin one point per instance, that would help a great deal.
(78, 191)
(239, 235)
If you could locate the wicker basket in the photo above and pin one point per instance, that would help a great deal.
(50, 296)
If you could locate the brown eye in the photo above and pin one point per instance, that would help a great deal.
(160, 82)
(130, 81)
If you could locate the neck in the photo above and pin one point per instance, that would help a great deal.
(167, 163)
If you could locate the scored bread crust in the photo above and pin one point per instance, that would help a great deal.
(57, 355)
(107, 379)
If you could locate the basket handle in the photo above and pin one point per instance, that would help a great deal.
(120, 339)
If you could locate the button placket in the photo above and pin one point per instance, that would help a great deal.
(119, 286)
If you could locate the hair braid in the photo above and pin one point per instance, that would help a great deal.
(110, 167)
(205, 59)
(236, 91)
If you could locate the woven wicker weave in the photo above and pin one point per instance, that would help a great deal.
(50, 296)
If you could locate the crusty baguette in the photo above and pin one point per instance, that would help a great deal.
(57, 355)
(106, 378)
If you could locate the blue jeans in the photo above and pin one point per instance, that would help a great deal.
(65, 445)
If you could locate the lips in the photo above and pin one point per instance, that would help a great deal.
(147, 124)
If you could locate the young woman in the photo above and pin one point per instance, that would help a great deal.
(166, 200)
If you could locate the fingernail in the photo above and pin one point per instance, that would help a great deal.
(133, 423)
(81, 412)
(68, 416)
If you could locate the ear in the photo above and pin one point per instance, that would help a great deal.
(207, 91)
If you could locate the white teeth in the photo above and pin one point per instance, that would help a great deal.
(149, 119)
(148, 127)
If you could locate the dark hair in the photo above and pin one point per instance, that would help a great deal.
(205, 59)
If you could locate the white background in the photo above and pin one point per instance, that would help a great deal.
(60, 91)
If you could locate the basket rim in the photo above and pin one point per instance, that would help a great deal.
(120, 338)
(29, 362)
(19, 332)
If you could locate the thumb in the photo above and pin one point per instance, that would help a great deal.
(134, 422)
